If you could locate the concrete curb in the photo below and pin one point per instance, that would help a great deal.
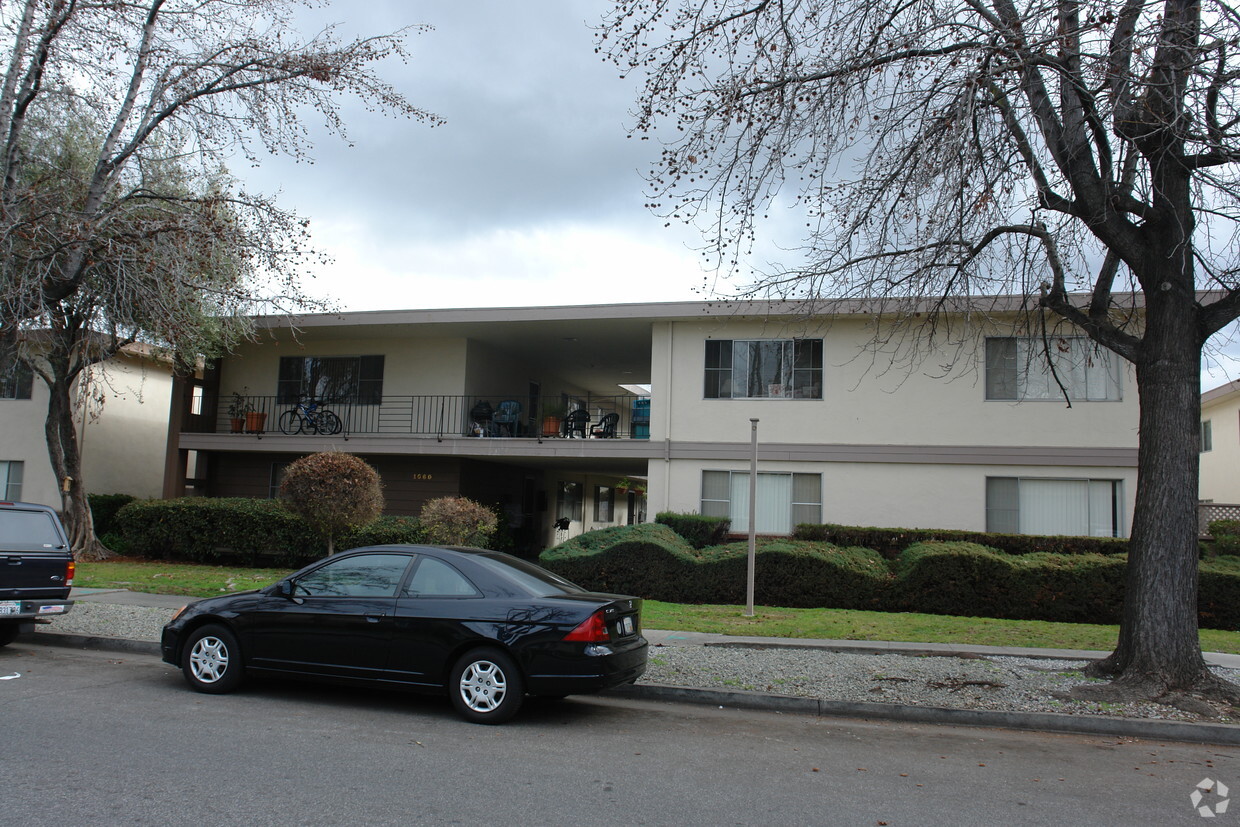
(105, 644)
(1144, 728)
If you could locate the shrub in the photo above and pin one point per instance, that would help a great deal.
(1218, 593)
(103, 508)
(1226, 535)
(699, 530)
(968, 579)
(385, 531)
(891, 541)
(457, 521)
(200, 529)
(646, 560)
(333, 491)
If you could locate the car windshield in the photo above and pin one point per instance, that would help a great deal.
(534, 579)
(28, 529)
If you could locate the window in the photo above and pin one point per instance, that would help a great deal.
(18, 383)
(763, 369)
(604, 504)
(435, 578)
(568, 505)
(1017, 369)
(1078, 508)
(1207, 437)
(275, 479)
(11, 480)
(783, 500)
(357, 379)
(369, 575)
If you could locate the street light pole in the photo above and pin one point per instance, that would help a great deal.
(753, 522)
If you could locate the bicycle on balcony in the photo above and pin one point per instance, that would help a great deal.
(311, 418)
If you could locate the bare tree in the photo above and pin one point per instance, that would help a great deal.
(1073, 152)
(116, 214)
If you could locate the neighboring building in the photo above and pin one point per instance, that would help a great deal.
(1220, 445)
(122, 441)
(975, 436)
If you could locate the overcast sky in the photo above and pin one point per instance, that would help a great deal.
(531, 193)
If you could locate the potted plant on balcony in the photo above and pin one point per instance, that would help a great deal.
(553, 416)
(626, 485)
(238, 409)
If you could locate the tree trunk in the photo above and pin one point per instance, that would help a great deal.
(1158, 649)
(66, 462)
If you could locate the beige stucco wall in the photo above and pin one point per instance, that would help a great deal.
(1220, 466)
(889, 495)
(122, 444)
(940, 401)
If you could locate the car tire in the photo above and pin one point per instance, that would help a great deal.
(8, 633)
(486, 686)
(211, 660)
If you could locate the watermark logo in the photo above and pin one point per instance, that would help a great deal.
(1207, 791)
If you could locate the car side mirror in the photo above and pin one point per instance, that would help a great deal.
(284, 588)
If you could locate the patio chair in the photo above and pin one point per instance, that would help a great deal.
(506, 418)
(606, 427)
(576, 422)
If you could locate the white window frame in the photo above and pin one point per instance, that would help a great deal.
(1100, 502)
(1207, 435)
(796, 380)
(1017, 370)
(736, 505)
(11, 473)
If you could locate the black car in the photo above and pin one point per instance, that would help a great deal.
(484, 626)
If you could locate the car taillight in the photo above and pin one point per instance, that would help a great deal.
(70, 569)
(590, 630)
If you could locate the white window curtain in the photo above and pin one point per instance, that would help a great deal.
(773, 503)
(1054, 507)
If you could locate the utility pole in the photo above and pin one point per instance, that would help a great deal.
(753, 522)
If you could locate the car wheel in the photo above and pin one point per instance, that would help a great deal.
(486, 686)
(8, 633)
(290, 422)
(212, 660)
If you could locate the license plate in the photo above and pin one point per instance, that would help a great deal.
(626, 626)
(10, 607)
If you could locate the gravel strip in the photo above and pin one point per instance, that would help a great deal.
(1005, 684)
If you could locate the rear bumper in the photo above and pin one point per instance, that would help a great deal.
(30, 610)
(579, 673)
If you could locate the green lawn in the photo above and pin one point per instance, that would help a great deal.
(841, 624)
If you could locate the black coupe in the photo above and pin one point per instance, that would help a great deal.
(484, 626)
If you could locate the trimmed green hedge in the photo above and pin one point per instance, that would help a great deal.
(653, 561)
(956, 578)
(891, 541)
(103, 508)
(698, 530)
(249, 531)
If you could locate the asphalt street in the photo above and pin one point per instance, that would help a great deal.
(94, 736)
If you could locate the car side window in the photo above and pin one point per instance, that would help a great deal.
(368, 575)
(435, 578)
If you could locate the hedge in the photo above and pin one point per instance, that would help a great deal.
(698, 530)
(103, 508)
(249, 531)
(655, 562)
(890, 542)
(954, 577)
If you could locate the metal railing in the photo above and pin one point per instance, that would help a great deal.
(442, 416)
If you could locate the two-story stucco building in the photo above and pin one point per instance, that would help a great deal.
(121, 424)
(974, 434)
(1220, 445)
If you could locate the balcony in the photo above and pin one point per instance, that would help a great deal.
(436, 416)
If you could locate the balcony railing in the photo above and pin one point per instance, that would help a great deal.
(443, 416)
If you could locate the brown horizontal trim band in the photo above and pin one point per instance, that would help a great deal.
(657, 449)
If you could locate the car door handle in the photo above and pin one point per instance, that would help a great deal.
(374, 618)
